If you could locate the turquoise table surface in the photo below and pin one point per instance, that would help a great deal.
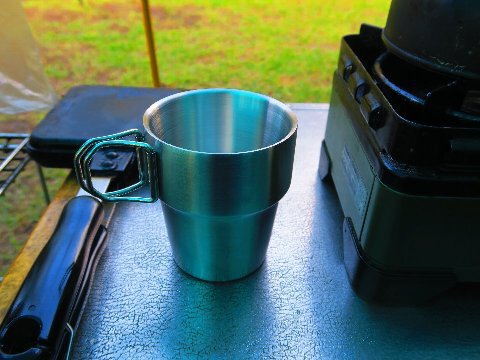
(297, 305)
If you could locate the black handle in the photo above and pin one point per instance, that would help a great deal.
(37, 318)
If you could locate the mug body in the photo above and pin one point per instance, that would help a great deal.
(225, 159)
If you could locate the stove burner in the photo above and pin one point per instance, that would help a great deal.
(411, 233)
(430, 98)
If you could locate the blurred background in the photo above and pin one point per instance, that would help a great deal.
(285, 49)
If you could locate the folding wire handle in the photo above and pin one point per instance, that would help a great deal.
(147, 166)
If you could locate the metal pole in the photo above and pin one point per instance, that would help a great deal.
(43, 183)
(147, 24)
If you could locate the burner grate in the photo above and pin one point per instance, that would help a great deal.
(427, 97)
(13, 159)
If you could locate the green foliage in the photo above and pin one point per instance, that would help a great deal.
(286, 49)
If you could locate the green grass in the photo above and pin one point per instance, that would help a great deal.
(285, 49)
(280, 48)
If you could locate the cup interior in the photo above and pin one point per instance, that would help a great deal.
(219, 121)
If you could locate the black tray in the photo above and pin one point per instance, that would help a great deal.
(88, 111)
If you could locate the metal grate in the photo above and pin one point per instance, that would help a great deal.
(14, 158)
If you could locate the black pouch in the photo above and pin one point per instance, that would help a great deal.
(43, 317)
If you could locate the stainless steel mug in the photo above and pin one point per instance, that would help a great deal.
(219, 160)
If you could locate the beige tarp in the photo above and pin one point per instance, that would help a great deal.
(23, 84)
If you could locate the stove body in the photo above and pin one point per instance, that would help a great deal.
(402, 147)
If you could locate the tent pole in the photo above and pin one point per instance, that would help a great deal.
(147, 24)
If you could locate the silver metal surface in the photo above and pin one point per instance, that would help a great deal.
(225, 160)
(13, 154)
(298, 305)
(302, 107)
(101, 183)
(222, 152)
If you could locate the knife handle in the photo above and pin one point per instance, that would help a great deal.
(37, 318)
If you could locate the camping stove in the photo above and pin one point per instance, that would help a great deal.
(402, 146)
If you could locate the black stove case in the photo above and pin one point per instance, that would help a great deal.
(88, 111)
(402, 146)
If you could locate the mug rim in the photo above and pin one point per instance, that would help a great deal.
(156, 105)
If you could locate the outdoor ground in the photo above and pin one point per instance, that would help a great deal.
(286, 49)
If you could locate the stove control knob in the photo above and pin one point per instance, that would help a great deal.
(373, 111)
(346, 67)
(357, 86)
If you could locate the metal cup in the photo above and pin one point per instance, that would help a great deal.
(219, 160)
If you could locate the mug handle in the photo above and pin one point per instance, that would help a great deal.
(147, 166)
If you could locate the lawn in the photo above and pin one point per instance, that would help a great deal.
(285, 49)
